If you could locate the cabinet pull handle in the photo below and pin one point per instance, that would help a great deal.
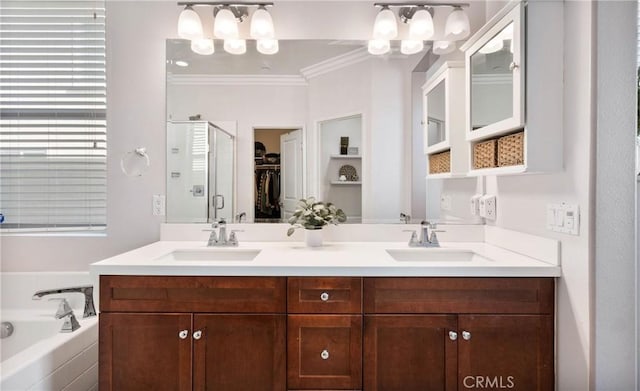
(513, 66)
(183, 334)
(197, 335)
(324, 296)
(466, 335)
(453, 335)
(324, 354)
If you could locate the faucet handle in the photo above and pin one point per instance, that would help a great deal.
(433, 238)
(233, 240)
(64, 308)
(413, 241)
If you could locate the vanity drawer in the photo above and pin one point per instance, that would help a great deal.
(324, 295)
(459, 295)
(192, 294)
(324, 352)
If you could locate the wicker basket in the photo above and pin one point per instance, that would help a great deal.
(484, 154)
(440, 162)
(511, 150)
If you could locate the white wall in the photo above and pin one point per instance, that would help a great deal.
(615, 290)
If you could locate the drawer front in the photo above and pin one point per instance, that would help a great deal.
(192, 294)
(459, 295)
(325, 295)
(324, 352)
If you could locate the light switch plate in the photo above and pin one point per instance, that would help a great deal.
(475, 205)
(563, 218)
(158, 204)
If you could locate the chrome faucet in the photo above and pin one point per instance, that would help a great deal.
(428, 237)
(220, 239)
(241, 216)
(405, 218)
(65, 312)
(86, 290)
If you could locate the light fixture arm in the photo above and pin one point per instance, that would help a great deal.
(226, 3)
(419, 4)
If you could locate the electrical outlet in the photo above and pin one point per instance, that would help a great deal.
(158, 204)
(490, 207)
(445, 202)
(475, 205)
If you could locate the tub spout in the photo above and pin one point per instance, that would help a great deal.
(87, 290)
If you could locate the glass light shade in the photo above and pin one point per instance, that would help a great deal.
(443, 47)
(189, 24)
(267, 46)
(203, 46)
(385, 26)
(379, 46)
(421, 25)
(411, 46)
(457, 25)
(225, 25)
(235, 46)
(262, 25)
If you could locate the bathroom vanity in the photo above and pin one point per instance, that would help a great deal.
(347, 316)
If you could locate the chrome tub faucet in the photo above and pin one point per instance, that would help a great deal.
(86, 290)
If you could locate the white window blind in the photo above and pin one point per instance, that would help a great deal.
(52, 115)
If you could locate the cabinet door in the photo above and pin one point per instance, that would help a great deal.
(239, 352)
(324, 352)
(409, 353)
(145, 352)
(505, 351)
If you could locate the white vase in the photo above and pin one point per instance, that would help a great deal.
(313, 237)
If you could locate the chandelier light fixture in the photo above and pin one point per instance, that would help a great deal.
(419, 17)
(226, 20)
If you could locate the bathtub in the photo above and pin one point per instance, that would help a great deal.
(37, 356)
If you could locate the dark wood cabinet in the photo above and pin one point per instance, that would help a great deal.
(500, 333)
(324, 352)
(239, 352)
(506, 352)
(214, 333)
(409, 353)
(145, 352)
(333, 333)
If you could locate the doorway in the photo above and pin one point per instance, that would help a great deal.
(278, 173)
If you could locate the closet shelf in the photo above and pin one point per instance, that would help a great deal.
(345, 156)
(346, 182)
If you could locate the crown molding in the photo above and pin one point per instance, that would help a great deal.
(237, 80)
(335, 63)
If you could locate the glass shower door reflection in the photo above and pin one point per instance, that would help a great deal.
(221, 175)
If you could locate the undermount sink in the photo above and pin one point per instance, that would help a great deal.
(432, 255)
(211, 254)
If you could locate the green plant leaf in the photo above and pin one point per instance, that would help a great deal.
(290, 231)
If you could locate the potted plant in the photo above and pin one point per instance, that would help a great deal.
(312, 215)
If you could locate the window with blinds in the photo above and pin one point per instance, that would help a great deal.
(52, 115)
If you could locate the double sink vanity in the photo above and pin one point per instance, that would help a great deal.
(368, 315)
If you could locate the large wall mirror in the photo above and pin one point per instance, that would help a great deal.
(319, 118)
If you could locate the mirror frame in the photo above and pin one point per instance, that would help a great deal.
(512, 13)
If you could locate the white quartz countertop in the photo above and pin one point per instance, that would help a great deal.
(332, 259)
